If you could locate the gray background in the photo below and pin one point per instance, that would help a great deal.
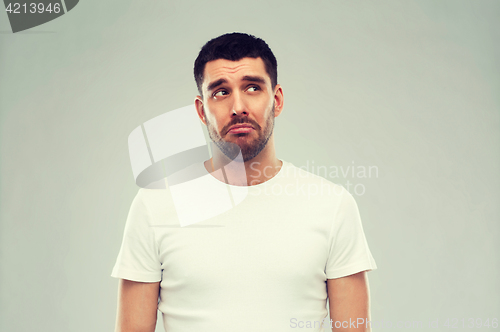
(411, 87)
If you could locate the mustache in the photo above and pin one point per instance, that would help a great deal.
(236, 121)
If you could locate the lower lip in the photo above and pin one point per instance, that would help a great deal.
(242, 130)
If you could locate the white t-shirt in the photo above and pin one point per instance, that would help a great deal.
(260, 265)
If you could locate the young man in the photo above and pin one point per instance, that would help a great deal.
(272, 261)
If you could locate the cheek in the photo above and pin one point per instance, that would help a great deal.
(213, 122)
(214, 115)
(266, 110)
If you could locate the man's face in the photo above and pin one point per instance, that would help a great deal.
(239, 93)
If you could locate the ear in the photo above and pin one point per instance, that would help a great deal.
(198, 103)
(278, 100)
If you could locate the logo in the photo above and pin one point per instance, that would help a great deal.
(25, 15)
(169, 150)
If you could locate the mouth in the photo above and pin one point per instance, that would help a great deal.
(240, 129)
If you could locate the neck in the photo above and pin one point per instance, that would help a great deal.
(249, 173)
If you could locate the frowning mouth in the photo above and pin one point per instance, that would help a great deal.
(240, 129)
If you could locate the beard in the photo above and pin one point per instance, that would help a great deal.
(248, 149)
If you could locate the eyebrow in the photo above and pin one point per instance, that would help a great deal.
(215, 84)
(256, 79)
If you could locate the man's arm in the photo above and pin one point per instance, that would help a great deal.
(349, 300)
(137, 306)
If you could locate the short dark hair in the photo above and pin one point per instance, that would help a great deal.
(235, 46)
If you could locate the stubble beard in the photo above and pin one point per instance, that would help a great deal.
(248, 150)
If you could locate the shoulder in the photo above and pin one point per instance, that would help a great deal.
(155, 203)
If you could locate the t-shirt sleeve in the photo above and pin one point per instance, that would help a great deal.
(348, 252)
(138, 259)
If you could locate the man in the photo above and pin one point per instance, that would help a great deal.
(272, 261)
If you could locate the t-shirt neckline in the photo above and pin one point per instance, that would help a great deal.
(265, 183)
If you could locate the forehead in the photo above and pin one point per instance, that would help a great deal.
(234, 70)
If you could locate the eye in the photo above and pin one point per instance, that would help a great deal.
(253, 88)
(220, 93)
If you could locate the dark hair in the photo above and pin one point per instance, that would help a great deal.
(235, 46)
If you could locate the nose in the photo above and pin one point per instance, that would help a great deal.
(239, 107)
